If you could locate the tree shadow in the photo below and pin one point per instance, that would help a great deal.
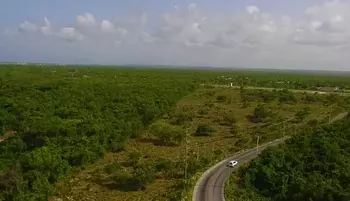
(125, 186)
(252, 119)
(156, 142)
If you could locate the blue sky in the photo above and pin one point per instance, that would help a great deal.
(250, 33)
(16, 11)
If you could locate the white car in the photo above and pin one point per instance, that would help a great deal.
(232, 163)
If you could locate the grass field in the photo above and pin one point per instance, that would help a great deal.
(203, 107)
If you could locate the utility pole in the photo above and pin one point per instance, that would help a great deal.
(186, 155)
(197, 151)
(329, 115)
(257, 145)
(228, 179)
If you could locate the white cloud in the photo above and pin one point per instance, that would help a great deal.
(86, 24)
(189, 36)
(192, 7)
(252, 9)
(122, 31)
(147, 38)
(144, 18)
(46, 29)
(70, 34)
(107, 26)
(268, 27)
(86, 20)
(27, 27)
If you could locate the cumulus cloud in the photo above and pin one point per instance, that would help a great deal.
(252, 9)
(144, 18)
(70, 34)
(107, 26)
(86, 20)
(46, 29)
(192, 7)
(27, 27)
(189, 36)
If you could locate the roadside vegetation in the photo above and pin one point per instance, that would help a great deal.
(313, 165)
(136, 134)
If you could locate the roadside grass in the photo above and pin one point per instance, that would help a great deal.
(210, 106)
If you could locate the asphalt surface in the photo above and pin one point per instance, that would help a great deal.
(270, 89)
(211, 186)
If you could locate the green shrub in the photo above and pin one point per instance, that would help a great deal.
(302, 114)
(221, 98)
(134, 158)
(116, 147)
(204, 130)
(229, 119)
(261, 114)
(210, 92)
(182, 118)
(209, 104)
(163, 164)
(167, 133)
(286, 96)
(112, 168)
(143, 176)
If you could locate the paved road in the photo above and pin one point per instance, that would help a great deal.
(338, 117)
(270, 89)
(211, 186)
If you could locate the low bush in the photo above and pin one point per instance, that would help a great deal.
(204, 130)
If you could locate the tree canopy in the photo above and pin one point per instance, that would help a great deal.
(313, 166)
(67, 119)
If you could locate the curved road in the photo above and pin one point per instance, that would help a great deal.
(211, 186)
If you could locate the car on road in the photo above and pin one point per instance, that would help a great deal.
(232, 163)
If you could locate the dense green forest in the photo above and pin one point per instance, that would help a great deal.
(55, 122)
(312, 166)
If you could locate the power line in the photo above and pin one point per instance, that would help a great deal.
(213, 185)
(218, 139)
(221, 138)
(225, 138)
